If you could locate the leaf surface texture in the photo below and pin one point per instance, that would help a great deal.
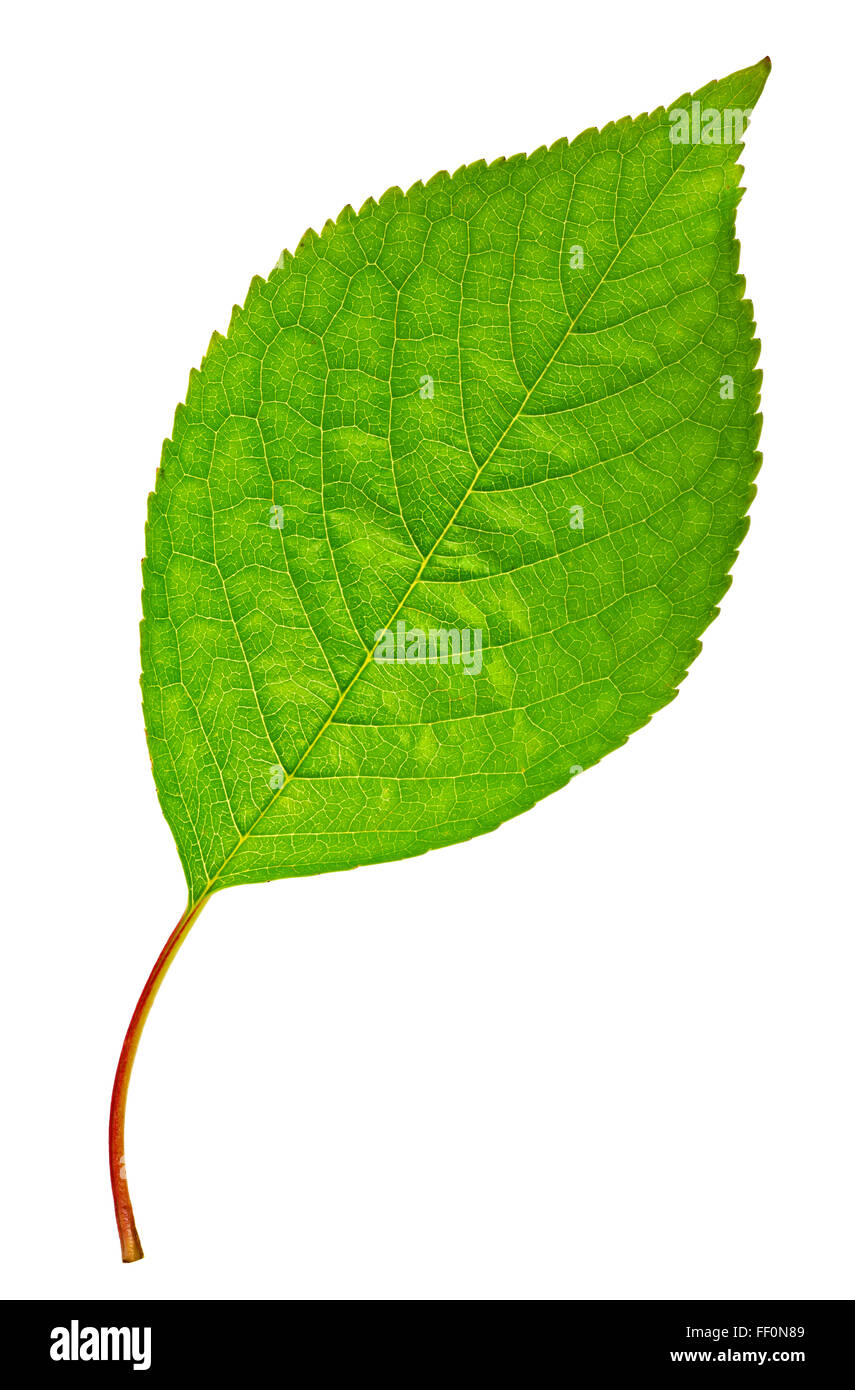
(560, 387)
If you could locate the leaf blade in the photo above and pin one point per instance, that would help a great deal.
(554, 386)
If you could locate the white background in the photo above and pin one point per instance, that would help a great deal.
(604, 1052)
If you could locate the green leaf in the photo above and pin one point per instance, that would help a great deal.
(517, 406)
(426, 391)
